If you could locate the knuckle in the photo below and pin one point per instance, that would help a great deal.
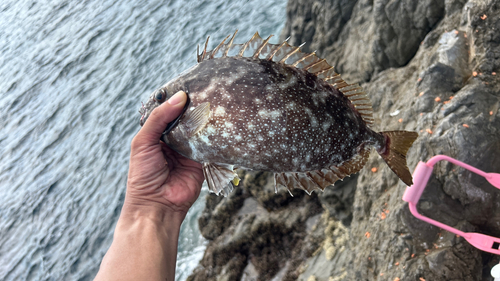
(155, 114)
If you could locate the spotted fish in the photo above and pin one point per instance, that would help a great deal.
(271, 107)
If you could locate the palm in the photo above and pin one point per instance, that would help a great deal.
(165, 176)
(184, 178)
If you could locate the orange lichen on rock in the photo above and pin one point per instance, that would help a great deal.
(428, 131)
(374, 169)
(396, 279)
(483, 17)
(491, 112)
(421, 94)
(493, 73)
(437, 99)
(421, 279)
(383, 216)
(465, 125)
(367, 234)
(401, 120)
(474, 73)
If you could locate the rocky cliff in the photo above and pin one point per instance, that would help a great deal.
(428, 66)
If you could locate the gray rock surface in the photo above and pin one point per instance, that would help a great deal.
(428, 66)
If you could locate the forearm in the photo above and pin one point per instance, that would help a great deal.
(144, 245)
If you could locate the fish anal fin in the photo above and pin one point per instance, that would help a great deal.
(353, 165)
(220, 178)
(394, 153)
(196, 119)
(320, 179)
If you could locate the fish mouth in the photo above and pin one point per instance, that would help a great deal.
(145, 114)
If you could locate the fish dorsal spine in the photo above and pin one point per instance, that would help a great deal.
(291, 56)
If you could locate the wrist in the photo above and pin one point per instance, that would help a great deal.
(136, 209)
(144, 244)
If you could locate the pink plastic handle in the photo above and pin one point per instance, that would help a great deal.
(421, 176)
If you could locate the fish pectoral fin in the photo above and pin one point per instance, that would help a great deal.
(220, 178)
(196, 119)
(320, 179)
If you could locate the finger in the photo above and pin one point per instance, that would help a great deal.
(158, 120)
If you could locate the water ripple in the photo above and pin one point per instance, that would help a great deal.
(72, 76)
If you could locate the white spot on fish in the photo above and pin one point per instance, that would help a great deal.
(308, 158)
(269, 114)
(325, 126)
(314, 121)
(205, 139)
(210, 130)
(228, 124)
(219, 111)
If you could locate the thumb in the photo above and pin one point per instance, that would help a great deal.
(158, 120)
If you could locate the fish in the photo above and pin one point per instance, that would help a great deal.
(271, 107)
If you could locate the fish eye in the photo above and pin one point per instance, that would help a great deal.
(160, 95)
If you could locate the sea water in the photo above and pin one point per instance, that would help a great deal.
(72, 77)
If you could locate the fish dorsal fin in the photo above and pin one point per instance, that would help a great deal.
(197, 119)
(318, 180)
(220, 178)
(257, 47)
(358, 98)
(286, 54)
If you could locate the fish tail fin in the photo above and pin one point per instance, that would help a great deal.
(394, 152)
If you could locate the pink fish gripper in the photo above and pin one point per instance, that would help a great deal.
(412, 194)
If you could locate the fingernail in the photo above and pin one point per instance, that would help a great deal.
(179, 97)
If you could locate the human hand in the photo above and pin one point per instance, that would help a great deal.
(159, 176)
(162, 185)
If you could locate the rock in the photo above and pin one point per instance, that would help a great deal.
(364, 37)
(262, 238)
(318, 23)
(428, 66)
